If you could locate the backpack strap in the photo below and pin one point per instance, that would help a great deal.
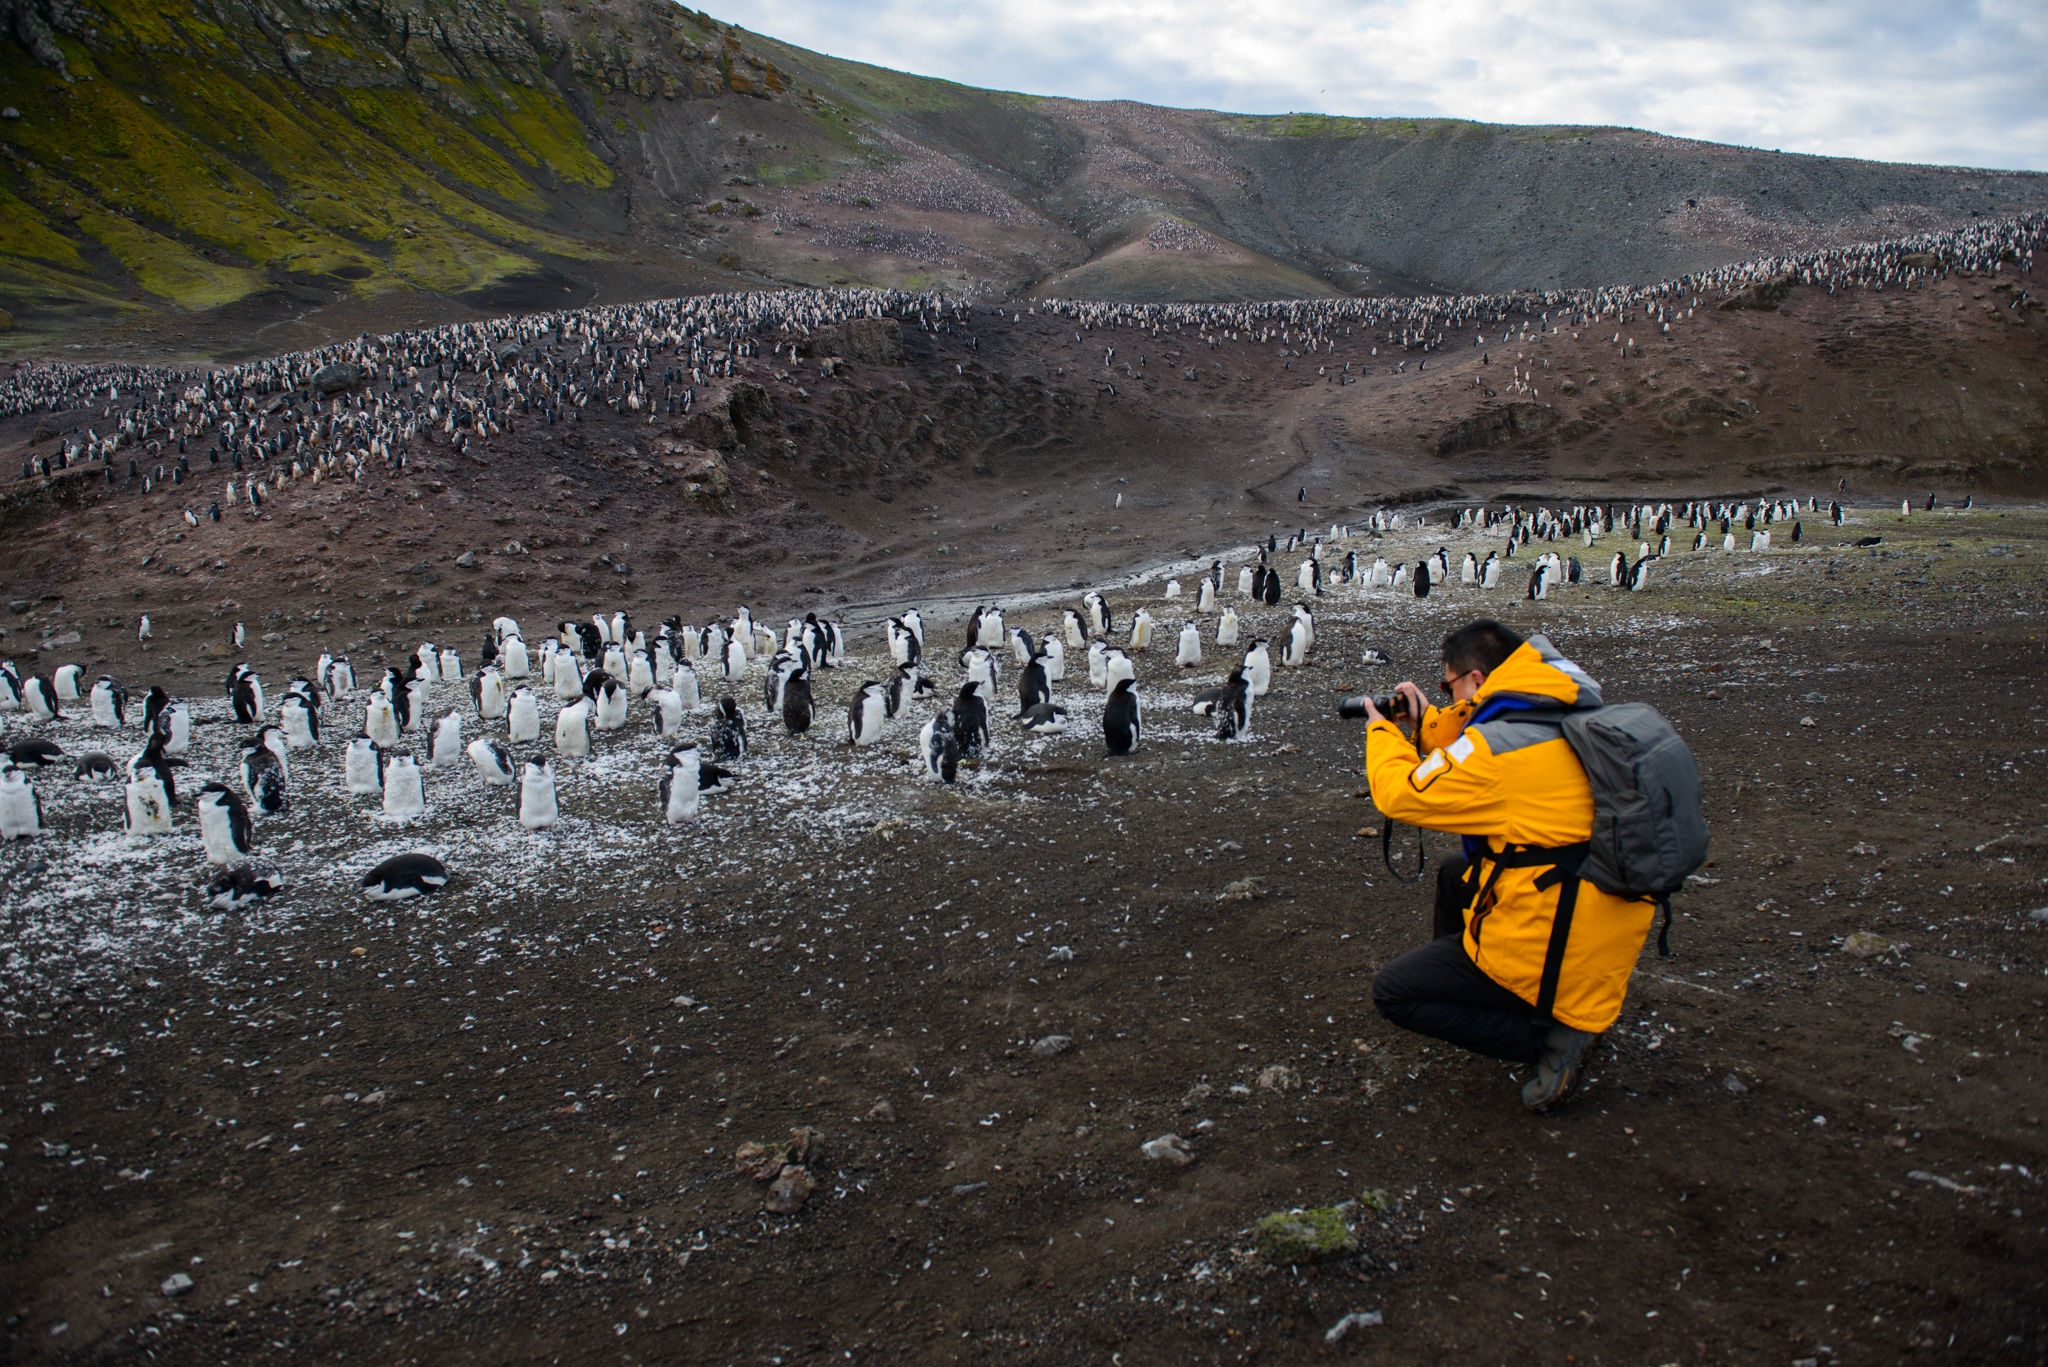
(1560, 865)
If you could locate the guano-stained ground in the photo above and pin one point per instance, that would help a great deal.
(488, 1130)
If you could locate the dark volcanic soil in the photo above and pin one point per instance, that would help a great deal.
(501, 1128)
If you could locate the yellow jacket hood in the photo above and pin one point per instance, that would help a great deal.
(1539, 673)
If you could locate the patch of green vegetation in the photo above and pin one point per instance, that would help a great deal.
(25, 233)
(422, 132)
(1304, 1236)
(168, 268)
(201, 171)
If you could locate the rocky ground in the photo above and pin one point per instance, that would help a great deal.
(1814, 1135)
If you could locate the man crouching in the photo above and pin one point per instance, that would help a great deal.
(1530, 962)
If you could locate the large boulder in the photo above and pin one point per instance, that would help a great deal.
(336, 376)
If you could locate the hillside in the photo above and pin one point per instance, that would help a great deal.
(238, 178)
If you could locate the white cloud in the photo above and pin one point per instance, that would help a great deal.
(1950, 84)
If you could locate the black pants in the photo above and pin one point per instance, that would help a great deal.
(1438, 991)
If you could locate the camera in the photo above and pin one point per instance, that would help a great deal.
(1352, 708)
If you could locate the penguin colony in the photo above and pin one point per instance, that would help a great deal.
(524, 719)
(361, 406)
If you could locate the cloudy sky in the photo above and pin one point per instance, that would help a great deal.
(1952, 83)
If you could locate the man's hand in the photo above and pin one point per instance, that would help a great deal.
(1417, 704)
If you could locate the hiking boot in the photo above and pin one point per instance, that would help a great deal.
(1558, 1068)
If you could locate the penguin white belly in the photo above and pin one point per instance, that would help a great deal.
(149, 807)
(522, 717)
(537, 809)
(405, 793)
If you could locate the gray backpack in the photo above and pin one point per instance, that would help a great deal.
(1649, 833)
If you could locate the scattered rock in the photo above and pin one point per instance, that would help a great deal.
(758, 1161)
(466, 561)
(1304, 1236)
(1243, 890)
(1052, 1046)
(1278, 1077)
(1735, 1084)
(1231, 847)
(1864, 847)
(968, 1188)
(786, 1196)
(1357, 1319)
(1864, 944)
(177, 1284)
(1168, 1148)
(2038, 914)
(1808, 721)
(882, 1113)
(1196, 1095)
(1377, 1199)
(375, 1098)
(1061, 954)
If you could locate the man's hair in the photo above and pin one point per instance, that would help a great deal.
(1483, 645)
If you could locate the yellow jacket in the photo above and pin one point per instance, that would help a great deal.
(1516, 790)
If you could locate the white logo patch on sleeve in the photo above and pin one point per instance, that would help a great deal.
(1460, 749)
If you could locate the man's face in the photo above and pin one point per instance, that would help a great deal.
(1461, 687)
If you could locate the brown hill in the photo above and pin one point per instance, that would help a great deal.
(245, 178)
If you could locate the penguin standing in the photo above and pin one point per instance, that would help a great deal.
(341, 678)
(866, 713)
(1294, 649)
(572, 729)
(609, 705)
(680, 796)
(362, 767)
(380, 721)
(493, 762)
(687, 687)
(1141, 630)
(246, 690)
(1422, 578)
(10, 688)
(148, 802)
(1233, 709)
(21, 809)
(445, 750)
(639, 675)
(224, 825)
(66, 679)
(513, 659)
(405, 793)
(970, 721)
(538, 809)
(109, 702)
(1100, 620)
(1245, 579)
(1115, 666)
(522, 716)
(727, 739)
(1033, 687)
(1190, 652)
(1205, 595)
(797, 705)
(1076, 634)
(735, 659)
(1226, 628)
(265, 777)
(667, 708)
(938, 749)
(1271, 598)
(1021, 648)
(1052, 654)
(1122, 718)
(39, 699)
(904, 685)
(300, 721)
(1258, 668)
(487, 692)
